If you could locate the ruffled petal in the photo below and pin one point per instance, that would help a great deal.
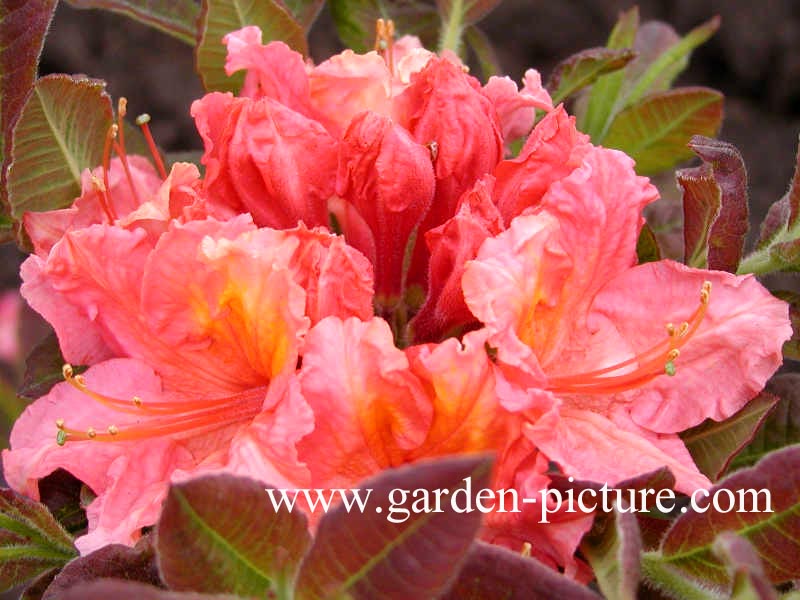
(517, 109)
(266, 159)
(273, 70)
(588, 446)
(370, 411)
(726, 362)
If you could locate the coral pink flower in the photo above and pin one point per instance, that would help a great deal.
(377, 407)
(273, 151)
(193, 339)
(623, 352)
(10, 309)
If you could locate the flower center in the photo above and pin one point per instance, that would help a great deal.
(638, 370)
(180, 418)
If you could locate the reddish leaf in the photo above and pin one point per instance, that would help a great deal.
(655, 131)
(106, 589)
(781, 427)
(365, 555)
(36, 588)
(219, 17)
(688, 545)
(613, 548)
(494, 572)
(43, 368)
(744, 568)
(714, 206)
(714, 444)
(174, 17)
(221, 534)
(31, 540)
(115, 561)
(23, 25)
(582, 69)
(60, 492)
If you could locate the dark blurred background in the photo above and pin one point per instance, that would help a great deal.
(754, 59)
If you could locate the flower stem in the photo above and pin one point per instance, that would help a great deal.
(453, 28)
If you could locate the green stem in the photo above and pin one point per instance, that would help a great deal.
(669, 581)
(453, 28)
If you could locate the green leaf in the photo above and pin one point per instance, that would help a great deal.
(23, 26)
(647, 246)
(60, 132)
(220, 17)
(781, 428)
(775, 534)
(714, 444)
(484, 51)
(606, 90)
(113, 561)
(367, 555)
(655, 132)
(355, 21)
(582, 69)
(43, 369)
(494, 572)
(613, 547)
(31, 540)
(669, 64)
(304, 11)
(221, 534)
(174, 17)
(715, 206)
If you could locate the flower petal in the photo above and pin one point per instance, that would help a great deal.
(726, 361)
(588, 446)
(517, 109)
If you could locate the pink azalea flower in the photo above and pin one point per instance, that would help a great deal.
(378, 407)
(10, 308)
(193, 338)
(277, 150)
(626, 355)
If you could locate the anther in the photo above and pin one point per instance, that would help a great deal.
(137, 401)
(67, 371)
(98, 184)
(142, 121)
(60, 423)
(112, 429)
(526, 550)
(122, 107)
(684, 328)
(673, 354)
(669, 369)
(61, 437)
(91, 433)
(670, 329)
(78, 379)
(705, 292)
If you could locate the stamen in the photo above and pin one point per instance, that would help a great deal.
(122, 110)
(656, 360)
(156, 418)
(526, 549)
(433, 148)
(142, 121)
(105, 198)
(384, 41)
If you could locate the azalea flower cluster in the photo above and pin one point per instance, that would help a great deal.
(365, 277)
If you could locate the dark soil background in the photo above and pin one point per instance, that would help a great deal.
(754, 59)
